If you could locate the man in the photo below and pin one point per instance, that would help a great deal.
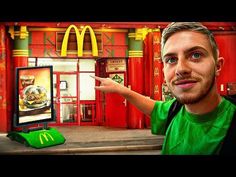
(191, 64)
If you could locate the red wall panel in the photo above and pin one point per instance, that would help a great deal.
(226, 41)
(43, 44)
(114, 38)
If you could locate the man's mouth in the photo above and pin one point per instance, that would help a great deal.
(185, 83)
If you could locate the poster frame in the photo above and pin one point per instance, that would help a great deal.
(49, 107)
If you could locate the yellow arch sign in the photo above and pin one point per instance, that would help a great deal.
(80, 40)
(45, 135)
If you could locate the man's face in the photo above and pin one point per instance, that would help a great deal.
(189, 66)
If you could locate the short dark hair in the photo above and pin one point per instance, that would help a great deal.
(174, 27)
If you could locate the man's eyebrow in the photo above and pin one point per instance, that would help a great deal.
(169, 54)
(195, 48)
(186, 51)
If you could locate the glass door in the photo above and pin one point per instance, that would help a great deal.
(87, 92)
(65, 88)
(73, 92)
(66, 97)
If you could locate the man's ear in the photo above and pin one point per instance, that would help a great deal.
(219, 65)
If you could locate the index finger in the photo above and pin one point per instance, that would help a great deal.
(97, 78)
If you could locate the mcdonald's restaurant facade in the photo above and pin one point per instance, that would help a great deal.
(127, 52)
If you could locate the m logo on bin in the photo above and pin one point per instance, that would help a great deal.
(46, 137)
(80, 41)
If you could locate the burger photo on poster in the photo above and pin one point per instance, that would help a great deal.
(34, 98)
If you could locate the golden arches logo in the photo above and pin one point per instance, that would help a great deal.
(80, 40)
(45, 135)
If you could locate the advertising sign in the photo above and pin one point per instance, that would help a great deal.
(118, 77)
(34, 95)
(80, 41)
(115, 65)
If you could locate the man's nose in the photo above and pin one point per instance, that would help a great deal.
(182, 67)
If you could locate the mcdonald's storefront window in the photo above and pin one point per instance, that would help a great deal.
(63, 65)
(75, 102)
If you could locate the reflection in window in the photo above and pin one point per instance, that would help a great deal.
(87, 83)
(63, 65)
(87, 65)
(87, 112)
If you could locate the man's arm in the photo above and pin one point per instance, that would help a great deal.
(143, 103)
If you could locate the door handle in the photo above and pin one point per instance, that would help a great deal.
(125, 102)
(57, 100)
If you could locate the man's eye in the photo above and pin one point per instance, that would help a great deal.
(171, 60)
(196, 55)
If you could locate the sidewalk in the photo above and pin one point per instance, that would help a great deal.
(90, 139)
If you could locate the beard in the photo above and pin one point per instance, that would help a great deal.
(197, 96)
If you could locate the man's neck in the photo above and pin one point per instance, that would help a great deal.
(206, 105)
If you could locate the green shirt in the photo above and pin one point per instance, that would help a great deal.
(191, 134)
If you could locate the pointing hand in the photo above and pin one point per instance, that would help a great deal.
(107, 85)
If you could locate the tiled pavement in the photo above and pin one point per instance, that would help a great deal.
(91, 140)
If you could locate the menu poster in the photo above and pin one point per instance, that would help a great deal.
(34, 95)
